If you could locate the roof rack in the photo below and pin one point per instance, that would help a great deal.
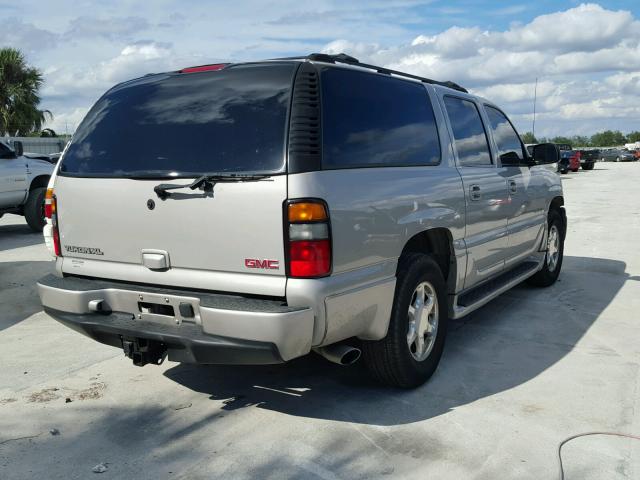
(349, 60)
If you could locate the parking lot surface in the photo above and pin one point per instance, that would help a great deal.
(518, 376)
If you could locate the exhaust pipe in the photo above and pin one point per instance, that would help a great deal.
(339, 353)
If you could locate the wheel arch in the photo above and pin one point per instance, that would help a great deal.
(41, 181)
(437, 242)
(557, 203)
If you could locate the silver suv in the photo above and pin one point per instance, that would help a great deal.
(250, 213)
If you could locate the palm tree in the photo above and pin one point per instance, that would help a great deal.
(19, 99)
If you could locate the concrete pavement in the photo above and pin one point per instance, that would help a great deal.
(529, 369)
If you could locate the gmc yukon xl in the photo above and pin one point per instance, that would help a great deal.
(250, 213)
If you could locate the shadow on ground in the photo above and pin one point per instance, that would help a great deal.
(18, 295)
(18, 235)
(506, 343)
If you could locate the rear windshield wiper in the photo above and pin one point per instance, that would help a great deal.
(207, 182)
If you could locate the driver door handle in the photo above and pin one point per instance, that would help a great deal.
(474, 192)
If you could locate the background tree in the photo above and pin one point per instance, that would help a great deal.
(608, 138)
(634, 137)
(561, 140)
(529, 138)
(19, 98)
(580, 141)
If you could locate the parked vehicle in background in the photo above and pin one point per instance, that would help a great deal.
(48, 157)
(617, 155)
(23, 182)
(569, 161)
(588, 158)
(344, 208)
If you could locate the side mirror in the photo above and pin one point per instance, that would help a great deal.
(545, 153)
(510, 159)
(18, 149)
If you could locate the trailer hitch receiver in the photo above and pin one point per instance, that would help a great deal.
(143, 351)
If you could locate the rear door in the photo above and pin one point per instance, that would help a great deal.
(172, 128)
(486, 195)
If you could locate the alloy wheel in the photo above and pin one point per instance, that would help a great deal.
(423, 321)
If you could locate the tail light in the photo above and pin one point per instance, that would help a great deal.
(309, 239)
(51, 212)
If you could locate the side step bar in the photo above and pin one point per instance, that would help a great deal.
(476, 297)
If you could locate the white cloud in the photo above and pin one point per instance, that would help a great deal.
(113, 28)
(587, 60)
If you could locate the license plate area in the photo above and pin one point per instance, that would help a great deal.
(168, 309)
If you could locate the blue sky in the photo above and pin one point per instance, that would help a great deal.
(586, 55)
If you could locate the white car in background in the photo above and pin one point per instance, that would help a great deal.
(23, 183)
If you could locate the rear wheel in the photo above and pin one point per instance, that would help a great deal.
(34, 209)
(411, 351)
(617, 159)
(587, 166)
(555, 252)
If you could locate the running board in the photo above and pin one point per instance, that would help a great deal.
(474, 298)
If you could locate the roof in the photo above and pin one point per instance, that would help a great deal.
(343, 58)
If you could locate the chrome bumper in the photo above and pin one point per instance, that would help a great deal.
(82, 303)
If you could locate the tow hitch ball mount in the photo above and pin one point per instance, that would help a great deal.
(143, 351)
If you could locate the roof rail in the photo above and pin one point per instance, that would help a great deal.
(349, 60)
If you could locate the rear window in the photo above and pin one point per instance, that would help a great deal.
(231, 120)
(371, 120)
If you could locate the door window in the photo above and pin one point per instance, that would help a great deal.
(507, 139)
(469, 135)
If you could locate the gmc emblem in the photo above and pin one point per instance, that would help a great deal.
(264, 264)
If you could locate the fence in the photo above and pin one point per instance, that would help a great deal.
(39, 144)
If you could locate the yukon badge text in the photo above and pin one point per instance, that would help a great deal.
(263, 264)
(85, 250)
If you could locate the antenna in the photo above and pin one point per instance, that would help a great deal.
(535, 98)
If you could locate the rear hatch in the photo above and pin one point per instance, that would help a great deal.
(171, 129)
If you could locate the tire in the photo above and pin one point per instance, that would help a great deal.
(551, 269)
(34, 209)
(392, 360)
(617, 159)
(588, 166)
(602, 159)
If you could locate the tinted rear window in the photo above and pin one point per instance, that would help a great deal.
(232, 120)
(372, 120)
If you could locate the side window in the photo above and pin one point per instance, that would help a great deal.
(5, 152)
(507, 139)
(468, 132)
(372, 120)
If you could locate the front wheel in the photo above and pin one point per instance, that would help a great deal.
(548, 275)
(34, 209)
(411, 351)
(617, 159)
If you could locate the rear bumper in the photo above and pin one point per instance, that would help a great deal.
(223, 329)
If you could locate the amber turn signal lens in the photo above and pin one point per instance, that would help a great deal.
(49, 203)
(307, 212)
